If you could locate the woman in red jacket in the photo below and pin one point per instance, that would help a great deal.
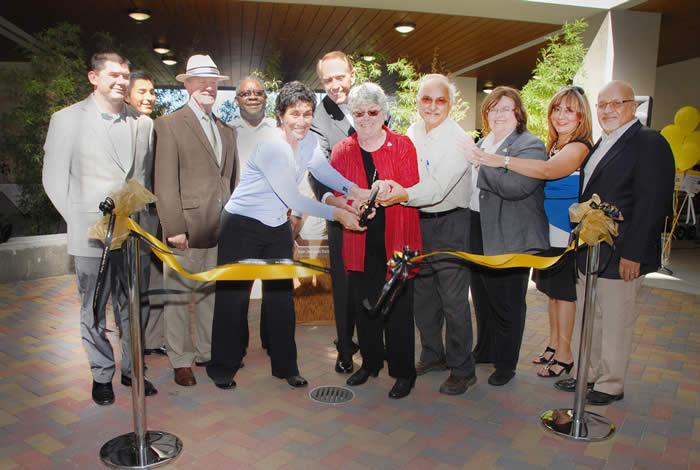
(375, 153)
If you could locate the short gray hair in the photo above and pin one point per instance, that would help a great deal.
(451, 88)
(368, 93)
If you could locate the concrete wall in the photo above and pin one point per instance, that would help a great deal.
(26, 258)
(677, 85)
(467, 91)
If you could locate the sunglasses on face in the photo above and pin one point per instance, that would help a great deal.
(359, 114)
(439, 101)
(247, 93)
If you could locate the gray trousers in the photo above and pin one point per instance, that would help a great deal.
(183, 348)
(94, 337)
(154, 331)
(442, 295)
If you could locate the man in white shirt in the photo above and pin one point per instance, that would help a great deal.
(442, 197)
(252, 128)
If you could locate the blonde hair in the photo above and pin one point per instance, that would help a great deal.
(578, 102)
(338, 55)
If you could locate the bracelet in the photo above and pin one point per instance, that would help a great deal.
(505, 164)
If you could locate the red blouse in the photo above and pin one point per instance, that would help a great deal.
(395, 160)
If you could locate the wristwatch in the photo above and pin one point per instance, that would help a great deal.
(505, 164)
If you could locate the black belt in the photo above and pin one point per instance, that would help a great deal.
(436, 215)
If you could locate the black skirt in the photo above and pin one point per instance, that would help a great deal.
(559, 281)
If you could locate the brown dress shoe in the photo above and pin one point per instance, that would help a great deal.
(184, 376)
(425, 367)
(457, 385)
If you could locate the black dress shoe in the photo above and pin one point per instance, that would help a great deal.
(343, 367)
(102, 394)
(148, 387)
(501, 377)
(226, 385)
(594, 397)
(402, 387)
(297, 381)
(354, 347)
(361, 376)
(161, 351)
(569, 385)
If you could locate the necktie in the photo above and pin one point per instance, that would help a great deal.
(211, 135)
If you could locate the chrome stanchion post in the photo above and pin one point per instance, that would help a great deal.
(140, 449)
(577, 423)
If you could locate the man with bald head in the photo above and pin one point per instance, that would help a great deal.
(631, 167)
(252, 128)
(442, 198)
(332, 123)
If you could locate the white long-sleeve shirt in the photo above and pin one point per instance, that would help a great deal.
(445, 174)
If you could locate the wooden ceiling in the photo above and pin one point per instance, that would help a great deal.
(241, 35)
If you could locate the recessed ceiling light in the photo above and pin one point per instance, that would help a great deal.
(139, 14)
(161, 48)
(487, 90)
(404, 27)
(368, 57)
(169, 59)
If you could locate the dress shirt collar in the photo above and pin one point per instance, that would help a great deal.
(614, 135)
(198, 111)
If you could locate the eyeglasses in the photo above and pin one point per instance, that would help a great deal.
(247, 93)
(359, 114)
(505, 110)
(616, 104)
(439, 101)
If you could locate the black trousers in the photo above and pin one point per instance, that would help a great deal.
(344, 317)
(499, 307)
(241, 237)
(397, 327)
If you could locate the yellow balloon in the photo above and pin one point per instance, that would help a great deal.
(693, 137)
(688, 156)
(688, 118)
(675, 135)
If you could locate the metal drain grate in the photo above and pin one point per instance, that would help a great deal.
(331, 395)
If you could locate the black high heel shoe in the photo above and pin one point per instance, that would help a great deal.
(564, 368)
(542, 359)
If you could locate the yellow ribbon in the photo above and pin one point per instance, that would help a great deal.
(504, 261)
(229, 272)
(596, 225)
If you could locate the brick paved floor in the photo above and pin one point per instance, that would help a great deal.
(48, 420)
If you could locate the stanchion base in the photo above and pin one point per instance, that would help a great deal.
(123, 452)
(594, 428)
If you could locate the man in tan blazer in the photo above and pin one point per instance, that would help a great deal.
(195, 173)
(91, 149)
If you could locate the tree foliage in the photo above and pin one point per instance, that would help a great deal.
(55, 79)
(559, 62)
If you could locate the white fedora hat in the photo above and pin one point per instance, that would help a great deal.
(200, 66)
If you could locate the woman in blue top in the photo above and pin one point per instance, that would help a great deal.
(255, 224)
(568, 143)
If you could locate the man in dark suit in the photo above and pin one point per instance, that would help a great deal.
(332, 123)
(195, 172)
(91, 149)
(631, 167)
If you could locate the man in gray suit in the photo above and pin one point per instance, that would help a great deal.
(91, 149)
(332, 123)
(195, 172)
